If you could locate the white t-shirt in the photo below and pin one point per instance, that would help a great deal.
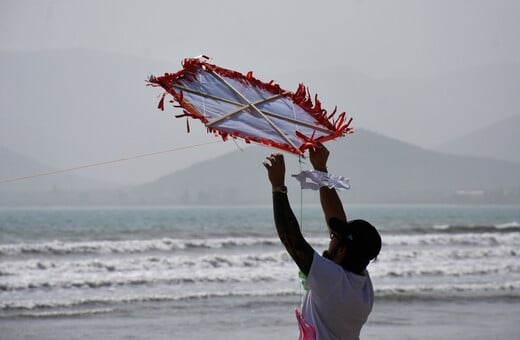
(338, 302)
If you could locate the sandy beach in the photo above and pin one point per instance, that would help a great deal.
(272, 320)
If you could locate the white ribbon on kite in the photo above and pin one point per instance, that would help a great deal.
(318, 179)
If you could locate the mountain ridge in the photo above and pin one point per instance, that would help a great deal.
(381, 170)
(77, 106)
(20, 173)
(497, 141)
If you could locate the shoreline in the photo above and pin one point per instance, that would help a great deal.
(218, 319)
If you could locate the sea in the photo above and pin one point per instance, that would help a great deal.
(220, 272)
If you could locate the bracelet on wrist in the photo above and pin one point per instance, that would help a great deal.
(280, 188)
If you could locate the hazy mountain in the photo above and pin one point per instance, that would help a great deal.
(425, 111)
(498, 141)
(16, 166)
(69, 107)
(381, 169)
(72, 107)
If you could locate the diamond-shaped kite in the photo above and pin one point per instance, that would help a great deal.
(232, 104)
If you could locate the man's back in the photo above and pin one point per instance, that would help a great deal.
(338, 302)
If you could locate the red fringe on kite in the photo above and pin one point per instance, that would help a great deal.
(232, 104)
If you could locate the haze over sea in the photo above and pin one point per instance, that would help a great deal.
(450, 272)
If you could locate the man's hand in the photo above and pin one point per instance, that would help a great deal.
(275, 166)
(319, 156)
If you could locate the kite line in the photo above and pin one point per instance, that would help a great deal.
(90, 165)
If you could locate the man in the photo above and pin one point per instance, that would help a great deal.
(340, 295)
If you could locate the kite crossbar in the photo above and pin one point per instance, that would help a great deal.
(291, 120)
(187, 89)
(242, 107)
(284, 137)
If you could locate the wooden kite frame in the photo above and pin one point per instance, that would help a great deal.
(327, 124)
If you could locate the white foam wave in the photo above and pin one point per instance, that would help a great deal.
(452, 240)
(65, 313)
(147, 270)
(135, 298)
(131, 246)
(509, 225)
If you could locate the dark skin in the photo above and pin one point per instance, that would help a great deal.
(286, 223)
(330, 202)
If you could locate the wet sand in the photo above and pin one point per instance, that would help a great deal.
(240, 319)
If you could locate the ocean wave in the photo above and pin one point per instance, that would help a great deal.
(398, 250)
(96, 283)
(147, 270)
(131, 246)
(414, 254)
(106, 304)
(403, 256)
(449, 272)
(125, 299)
(38, 314)
(452, 239)
(446, 235)
(464, 229)
(508, 227)
(513, 224)
(225, 273)
(509, 291)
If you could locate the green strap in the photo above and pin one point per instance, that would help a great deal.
(303, 280)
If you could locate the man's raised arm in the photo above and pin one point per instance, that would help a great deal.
(286, 223)
(330, 201)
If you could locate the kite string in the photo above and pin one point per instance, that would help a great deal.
(301, 194)
(301, 215)
(104, 162)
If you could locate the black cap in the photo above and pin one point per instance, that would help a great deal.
(361, 235)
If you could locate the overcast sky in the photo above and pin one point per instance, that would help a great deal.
(380, 39)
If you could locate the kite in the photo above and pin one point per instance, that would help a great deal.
(231, 104)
